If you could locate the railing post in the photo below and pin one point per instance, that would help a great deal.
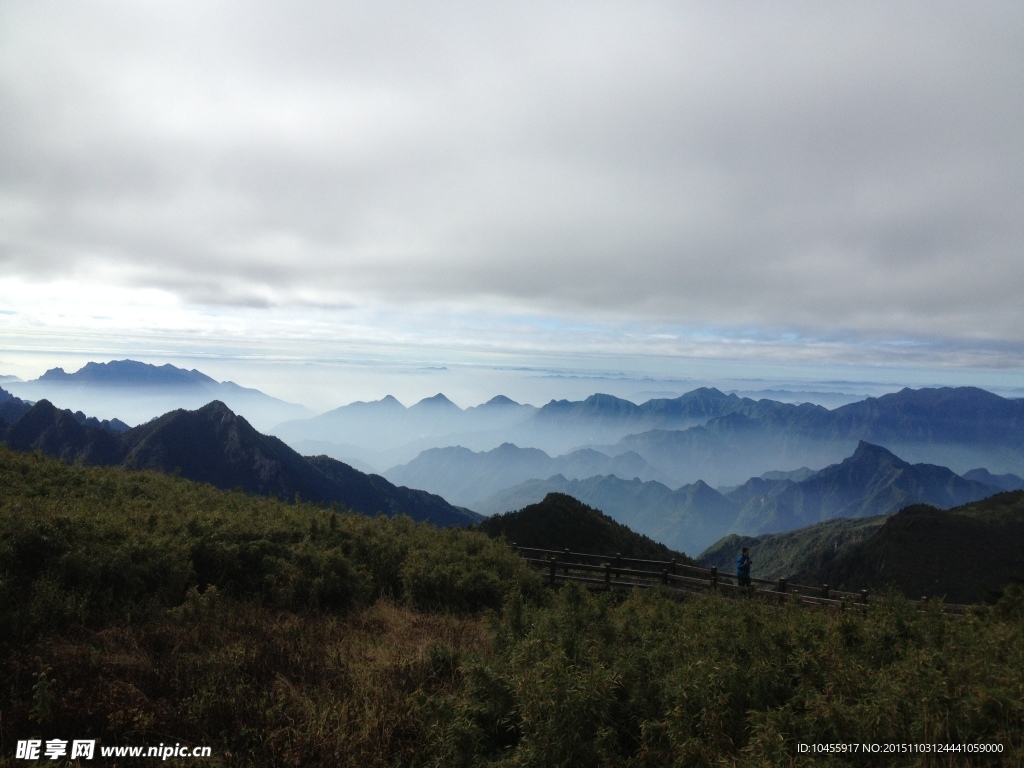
(824, 591)
(714, 578)
(565, 568)
(618, 565)
(864, 596)
(664, 576)
(552, 570)
(782, 586)
(607, 575)
(673, 566)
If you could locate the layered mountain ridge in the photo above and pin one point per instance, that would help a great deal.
(684, 470)
(705, 434)
(871, 481)
(214, 445)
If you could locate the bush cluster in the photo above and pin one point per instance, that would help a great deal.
(94, 545)
(595, 679)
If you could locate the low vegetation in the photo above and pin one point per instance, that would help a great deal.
(141, 609)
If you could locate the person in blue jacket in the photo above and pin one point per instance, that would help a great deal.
(743, 568)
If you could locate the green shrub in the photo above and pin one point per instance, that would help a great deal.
(463, 571)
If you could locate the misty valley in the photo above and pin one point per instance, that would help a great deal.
(685, 471)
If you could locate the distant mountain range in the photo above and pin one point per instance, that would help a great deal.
(708, 435)
(137, 392)
(967, 554)
(385, 430)
(684, 470)
(383, 433)
(216, 446)
(871, 481)
(961, 428)
(469, 478)
(702, 435)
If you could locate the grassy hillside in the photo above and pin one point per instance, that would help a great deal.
(140, 609)
(804, 551)
(965, 555)
(92, 545)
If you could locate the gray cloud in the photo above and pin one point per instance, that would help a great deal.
(813, 168)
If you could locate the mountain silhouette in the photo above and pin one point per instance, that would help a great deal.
(961, 428)
(129, 373)
(686, 519)
(467, 477)
(948, 414)
(436, 403)
(498, 401)
(386, 433)
(214, 445)
(137, 392)
(871, 481)
(63, 434)
(559, 522)
(1007, 481)
(368, 491)
(723, 439)
(11, 408)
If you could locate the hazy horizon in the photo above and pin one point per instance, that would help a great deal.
(533, 386)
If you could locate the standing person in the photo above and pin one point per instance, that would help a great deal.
(743, 568)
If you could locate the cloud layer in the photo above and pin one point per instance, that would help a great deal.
(828, 171)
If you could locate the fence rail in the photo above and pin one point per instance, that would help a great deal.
(616, 572)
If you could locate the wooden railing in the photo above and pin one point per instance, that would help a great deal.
(618, 572)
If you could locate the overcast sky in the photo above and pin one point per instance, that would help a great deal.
(638, 187)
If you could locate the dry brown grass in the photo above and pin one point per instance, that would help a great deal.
(266, 688)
